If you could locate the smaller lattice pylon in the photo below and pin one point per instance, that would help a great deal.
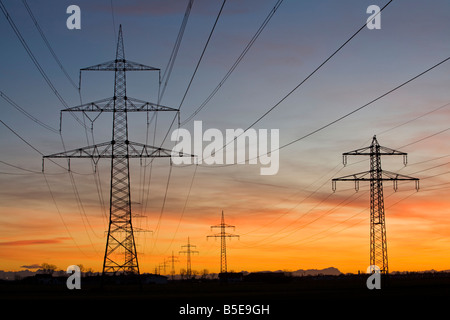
(188, 253)
(223, 244)
(375, 176)
(172, 259)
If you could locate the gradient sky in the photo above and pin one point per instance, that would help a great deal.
(291, 220)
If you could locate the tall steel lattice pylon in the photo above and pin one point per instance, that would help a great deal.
(120, 253)
(376, 176)
(223, 244)
(188, 253)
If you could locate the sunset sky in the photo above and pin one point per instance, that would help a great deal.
(291, 220)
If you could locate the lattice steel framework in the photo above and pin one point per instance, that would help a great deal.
(223, 241)
(172, 259)
(376, 176)
(188, 253)
(120, 253)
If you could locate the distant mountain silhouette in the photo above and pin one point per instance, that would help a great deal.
(331, 271)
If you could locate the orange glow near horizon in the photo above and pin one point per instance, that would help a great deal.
(374, 84)
(301, 238)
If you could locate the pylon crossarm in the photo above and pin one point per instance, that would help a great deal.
(362, 176)
(107, 105)
(134, 105)
(385, 176)
(226, 234)
(139, 150)
(367, 151)
(104, 150)
(395, 177)
(374, 150)
(365, 176)
(223, 226)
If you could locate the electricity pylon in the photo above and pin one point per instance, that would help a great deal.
(172, 259)
(188, 253)
(376, 176)
(120, 253)
(223, 244)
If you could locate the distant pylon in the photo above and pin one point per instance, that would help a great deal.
(188, 253)
(223, 244)
(376, 176)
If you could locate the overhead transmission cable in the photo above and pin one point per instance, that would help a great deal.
(167, 72)
(184, 96)
(165, 78)
(26, 113)
(236, 63)
(305, 79)
(34, 60)
(230, 71)
(196, 68)
(365, 105)
(48, 45)
(38, 151)
(329, 124)
(421, 139)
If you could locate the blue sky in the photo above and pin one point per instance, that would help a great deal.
(300, 36)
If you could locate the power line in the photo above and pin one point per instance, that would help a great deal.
(364, 106)
(416, 118)
(297, 204)
(329, 211)
(353, 111)
(35, 149)
(427, 137)
(158, 225)
(24, 169)
(164, 78)
(184, 209)
(304, 80)
(20, 137)
(59, 213)
(184, 96)
(359, 213)
(312, 73)
(203, 52)
(176, 47)
(196, 68)
(30, 53)
(48, 45)
(407, 122)
(34, 60)
(26, 113)
(309, 76)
